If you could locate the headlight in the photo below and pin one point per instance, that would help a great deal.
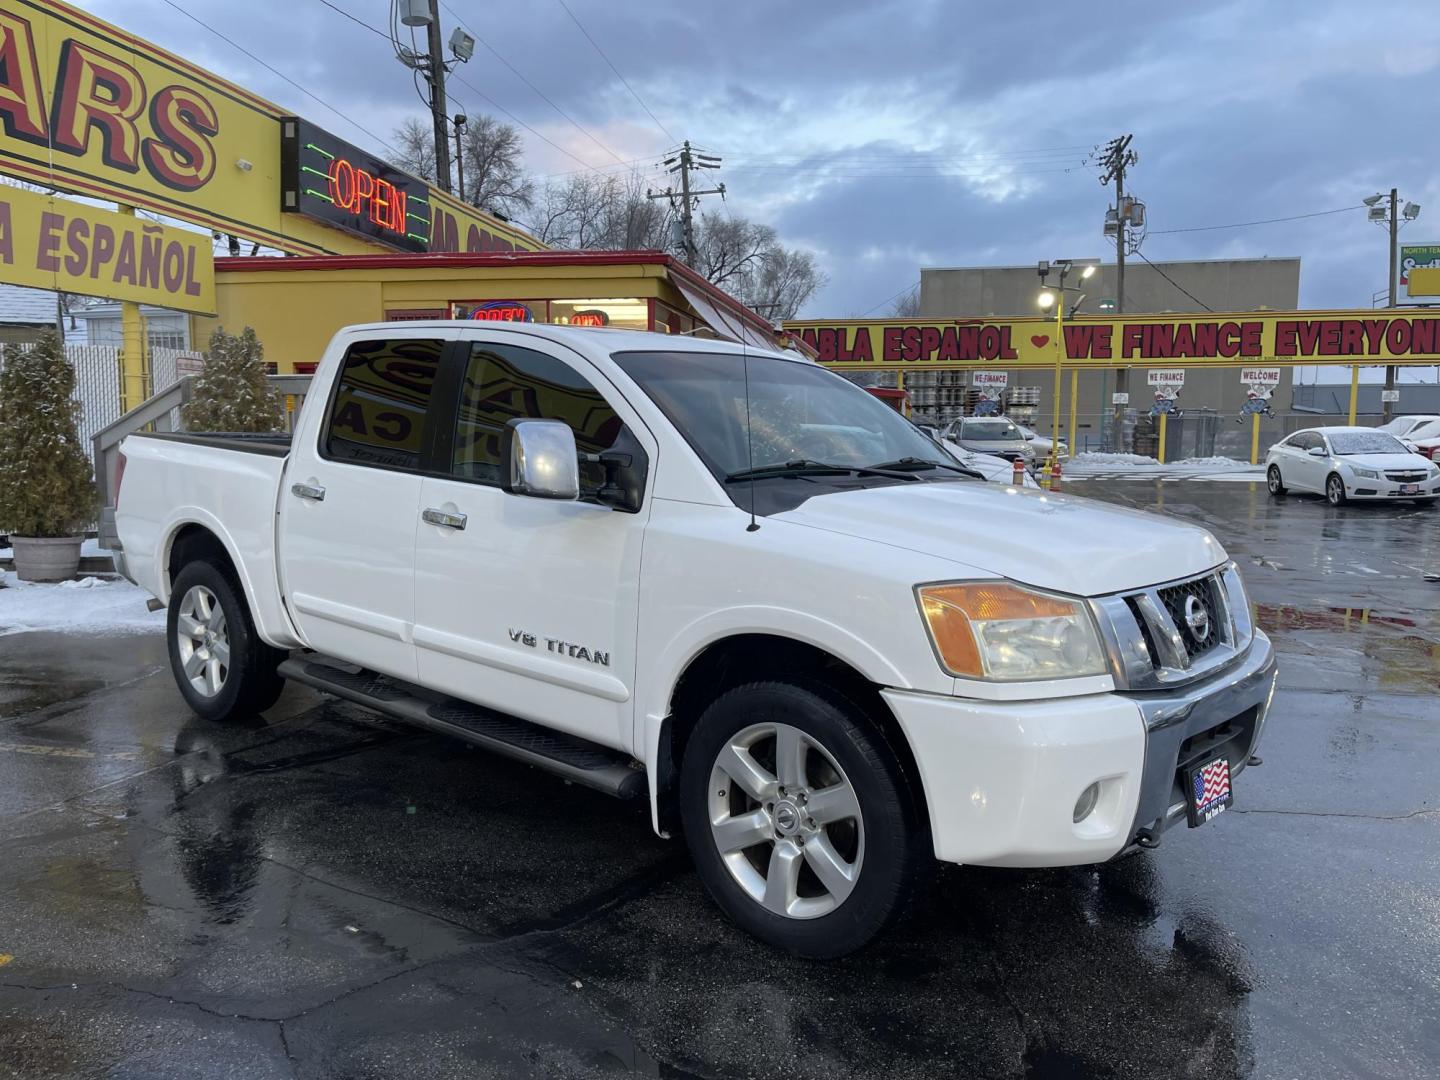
(995, 630)
(1365, 474)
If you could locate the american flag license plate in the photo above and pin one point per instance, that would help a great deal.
(1207, 790)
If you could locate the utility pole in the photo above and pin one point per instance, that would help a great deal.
(1119, 157)
(435, 74)
(1387, 407)
(683, 162)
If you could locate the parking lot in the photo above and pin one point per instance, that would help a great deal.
(323, 894)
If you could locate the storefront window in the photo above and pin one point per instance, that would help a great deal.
(632, 314)
(501, 310)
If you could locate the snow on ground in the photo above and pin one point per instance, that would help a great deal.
(1097, 460)
(87, 605)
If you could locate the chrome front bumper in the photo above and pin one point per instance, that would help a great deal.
(1223, 715)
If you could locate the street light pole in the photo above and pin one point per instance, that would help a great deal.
(1387, 406)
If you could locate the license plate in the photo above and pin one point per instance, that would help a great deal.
(1207, 790)
(1409, 489)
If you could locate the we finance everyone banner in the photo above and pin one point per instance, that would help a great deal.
(1282, 338)
(88, 108)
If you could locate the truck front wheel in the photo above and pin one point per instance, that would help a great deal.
(220, 663)
(796, 814)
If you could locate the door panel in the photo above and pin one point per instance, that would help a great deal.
(351, 505)
(531, 606)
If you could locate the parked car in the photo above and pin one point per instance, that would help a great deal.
(1344, 463)
(997, 470)
(838, 658)
(1402, 426)
(996, 435)
(1424, 439)
(1041, 443)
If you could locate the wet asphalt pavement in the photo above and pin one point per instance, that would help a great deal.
(319, 893)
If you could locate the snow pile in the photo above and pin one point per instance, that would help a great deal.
(87, 605)
(1097, 457)
(1094, 459)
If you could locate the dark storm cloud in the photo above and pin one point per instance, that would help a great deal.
(885, 136)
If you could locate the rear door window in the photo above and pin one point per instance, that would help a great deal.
(380, 413)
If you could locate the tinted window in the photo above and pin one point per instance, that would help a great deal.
(1303, 440)
(503, 383)
(381, 402)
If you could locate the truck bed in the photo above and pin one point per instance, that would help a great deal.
(226, 482)
(273, 443)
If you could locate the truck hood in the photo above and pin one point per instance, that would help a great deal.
(1057, 542)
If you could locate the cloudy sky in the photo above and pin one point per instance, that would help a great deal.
(889, 136)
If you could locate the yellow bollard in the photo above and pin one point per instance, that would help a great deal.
(1255, 439)
(1160, 450)
(1074, 395)
(1354, 391)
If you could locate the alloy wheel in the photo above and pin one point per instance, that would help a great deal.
(203, 641)
(786, 821)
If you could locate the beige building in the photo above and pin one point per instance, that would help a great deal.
(1221, 285)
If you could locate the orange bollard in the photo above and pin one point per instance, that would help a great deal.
(1055, 474)
(1017, 473)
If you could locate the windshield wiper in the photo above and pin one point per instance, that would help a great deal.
(807, 467)
(913, 464)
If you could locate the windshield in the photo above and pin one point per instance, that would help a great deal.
(1366, 442)
(797, 411)
(990, 431)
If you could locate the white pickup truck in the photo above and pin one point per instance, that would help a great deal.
(730, 582)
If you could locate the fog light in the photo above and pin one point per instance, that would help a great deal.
(1086, 803)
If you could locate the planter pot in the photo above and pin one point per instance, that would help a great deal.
(46, 558)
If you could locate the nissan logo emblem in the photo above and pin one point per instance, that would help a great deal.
(1197, 618)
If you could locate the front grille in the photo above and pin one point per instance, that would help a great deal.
(1405, 477)
(1205, 592)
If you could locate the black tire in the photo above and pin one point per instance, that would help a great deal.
(1335, 490)
(895, 845)
(1274, 481)
(250, 682)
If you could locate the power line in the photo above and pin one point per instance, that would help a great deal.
(613, 68)
(1267, 221)
(542, 95)
(888, 299)
(455, 75)
(1172, 281)
(280, 74)
(358, 22)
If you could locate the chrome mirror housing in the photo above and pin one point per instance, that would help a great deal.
(539, 458)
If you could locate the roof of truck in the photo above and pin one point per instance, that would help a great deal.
(609, 339)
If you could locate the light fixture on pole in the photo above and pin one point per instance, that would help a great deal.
(1054, 296)
(1385, 210)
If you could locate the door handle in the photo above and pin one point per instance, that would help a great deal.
(444, 520)
(313, 492)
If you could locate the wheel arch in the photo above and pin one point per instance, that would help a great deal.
(199, 536)
(739, 658)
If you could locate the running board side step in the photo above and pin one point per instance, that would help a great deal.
(577, 760)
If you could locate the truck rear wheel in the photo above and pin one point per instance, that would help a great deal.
(796, 814)
(220, 663)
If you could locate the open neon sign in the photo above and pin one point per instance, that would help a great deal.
(359, 192)
(503, 311)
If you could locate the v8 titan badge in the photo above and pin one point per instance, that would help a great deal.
(1207, 791)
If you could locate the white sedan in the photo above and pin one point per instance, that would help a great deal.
(1345, 463)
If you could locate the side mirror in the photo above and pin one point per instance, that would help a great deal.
(539, 458)
(1317, 451)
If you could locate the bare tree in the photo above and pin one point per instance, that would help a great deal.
(907, 305)
(495, 178)
(416, 143)
(748, 261)
(599, 213)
